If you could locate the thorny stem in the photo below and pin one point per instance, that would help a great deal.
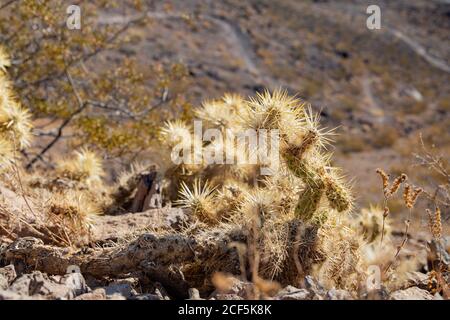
(254, 255)
(19, 180)
(7, 3)
(384, 220)
(400, 247)
(81, 106)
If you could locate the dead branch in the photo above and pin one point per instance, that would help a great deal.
(81, 106)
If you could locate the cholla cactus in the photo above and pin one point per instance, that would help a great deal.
(304, 191)
(4, 60)
(6, 153)
(15, 122)
(200, 200)
(302, 147)
(85, 167)
(73, 206)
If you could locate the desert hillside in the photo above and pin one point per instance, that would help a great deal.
(276, 150)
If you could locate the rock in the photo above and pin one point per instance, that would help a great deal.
(237, 290)
(97, 294)
(121, 287)
(292, 293)
(438, 252)
(147, 296)
(315, 288)
(8, 273)
(376, 294)
(76, 283)
(437, 296)
(115, 296)
(338, 294)
(161, 293)
(226, 296)
(194, 294)
(24, 243)
(30, 284)
(417, 279)
(413, 293)
(3, 282)
(110, 227)
(37, 284)
(10, 295)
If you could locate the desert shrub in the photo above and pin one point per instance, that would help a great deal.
(351, 144)
(444, 104)
(349, 103)
(82, 80)
(74, 209)
(311, 88)
(417, 107)
(85, 166)
(383, 137)
(61, 210)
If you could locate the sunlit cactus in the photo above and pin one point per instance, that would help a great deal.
(5, 61)
(302, 147)
(303, 190)
(15, 122)
(200, 200)
(84, 166)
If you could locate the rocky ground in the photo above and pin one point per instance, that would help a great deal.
(73, 286)
(123, 260)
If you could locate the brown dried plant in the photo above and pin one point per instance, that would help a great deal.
(388, 192)
(410, 196)
(435, 222)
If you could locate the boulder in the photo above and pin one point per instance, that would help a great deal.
(3, 282)
(39, 285)
(121, 287)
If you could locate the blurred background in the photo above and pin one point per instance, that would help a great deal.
(135, 64)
